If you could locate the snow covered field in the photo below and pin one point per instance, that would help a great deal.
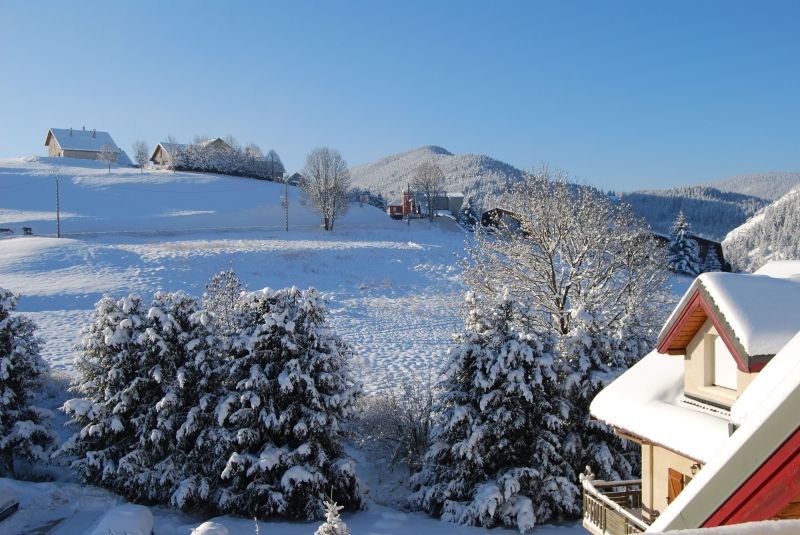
(393, 290)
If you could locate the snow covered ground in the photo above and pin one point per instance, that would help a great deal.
(393, 290)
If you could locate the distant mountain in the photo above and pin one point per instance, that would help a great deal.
(711, 212)
(769, 186)
(473, 175)
(771, 234)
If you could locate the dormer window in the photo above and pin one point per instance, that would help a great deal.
(724, 368)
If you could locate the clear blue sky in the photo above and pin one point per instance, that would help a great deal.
(623, 95)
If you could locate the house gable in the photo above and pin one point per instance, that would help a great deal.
(698, 309)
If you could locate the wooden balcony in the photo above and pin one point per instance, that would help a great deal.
(613, 507)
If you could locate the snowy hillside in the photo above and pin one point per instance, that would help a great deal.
(769, 186)
(712, 213)
(771, 234)
(471, 174)
(93, 200)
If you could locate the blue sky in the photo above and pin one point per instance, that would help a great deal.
(623, 95)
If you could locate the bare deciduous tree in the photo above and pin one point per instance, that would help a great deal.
(429, 179)
(326, 183)
(569, 248)
(141, 154)
(107, 154)
(274, 165)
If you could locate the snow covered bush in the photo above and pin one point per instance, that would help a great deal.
(683, 250)
(24, 432)
(334, 525)
(141, 368)
(243, 420)
(496, 457)
(288, 389)
(398, 423)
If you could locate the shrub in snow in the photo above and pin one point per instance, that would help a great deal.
(683, 251)
(397, 422)
(334, 525)
(496, 453)
(24, 432)
(141, 368)
(288, 388)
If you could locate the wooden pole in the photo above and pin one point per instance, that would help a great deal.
(286, 203)
(58, 211)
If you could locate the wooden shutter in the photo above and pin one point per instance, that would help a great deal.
(675, 484)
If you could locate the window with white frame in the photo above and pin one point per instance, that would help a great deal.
(724, 365)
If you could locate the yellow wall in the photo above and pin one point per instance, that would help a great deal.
(656, 462)
(699, 371)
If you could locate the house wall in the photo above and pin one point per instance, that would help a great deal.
(81, 154)
(53, 149)
(656, 462)
(699, 370)
(158, 156)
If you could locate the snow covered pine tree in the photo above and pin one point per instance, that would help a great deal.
(334, 525)
(288, 388)
(683, 251)
(496, 454)
(137, 383)
(594, 281)
(24, 432)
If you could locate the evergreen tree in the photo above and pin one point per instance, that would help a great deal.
(469, 215)
(288, 388)
(496, 454)
(683, 250)
(24, 432)
(711, 262)
(138, 377)
(334, 525)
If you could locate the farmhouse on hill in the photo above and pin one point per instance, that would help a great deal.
(83, 144)
(164, 152)
(713, 409)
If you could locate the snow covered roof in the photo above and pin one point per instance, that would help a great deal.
(647, 402)
(81, 140)
(767, 415)
(758, 310)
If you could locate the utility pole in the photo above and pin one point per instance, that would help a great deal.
(58, 211)
(408, 199)
(286, 203)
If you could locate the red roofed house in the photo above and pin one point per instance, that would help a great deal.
(720, 438)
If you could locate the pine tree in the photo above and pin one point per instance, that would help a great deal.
(24, 431)
(139, 376)
(178, 343)
(711, 262)
(334, 525)
(682, 250)
(591, 359)
(496, 455)
(288, 389)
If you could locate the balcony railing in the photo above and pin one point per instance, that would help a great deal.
(613, 507)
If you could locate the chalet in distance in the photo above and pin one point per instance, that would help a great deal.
(714, 409)
(165, 151)
(83, 144)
